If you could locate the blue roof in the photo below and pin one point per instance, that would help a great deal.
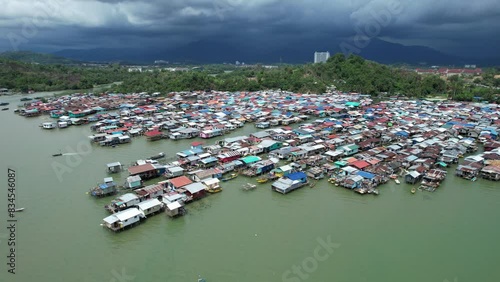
(402, 133)
(365, 174)
(104, 186)
(296, 175)
(187, 152)
(209, 160)
(197, 150)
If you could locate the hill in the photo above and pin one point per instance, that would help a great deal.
(22, 77)
(37, 58)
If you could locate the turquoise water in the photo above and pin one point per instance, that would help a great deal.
(449, 235)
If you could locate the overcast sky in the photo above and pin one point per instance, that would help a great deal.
(452, 26)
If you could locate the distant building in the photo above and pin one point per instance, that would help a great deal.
(176, 69)
(321, 57)
(470, 66)
(135, 69)
(451, 72)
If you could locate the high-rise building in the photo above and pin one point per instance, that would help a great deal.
(321, 57)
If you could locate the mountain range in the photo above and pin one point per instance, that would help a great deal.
(214, 51)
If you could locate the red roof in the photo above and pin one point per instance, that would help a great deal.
(152, 133)
(351, 160)
(180, 181)
(149, 190)
(360, 164)
(117, 130)
(138, 169)
(196, 143)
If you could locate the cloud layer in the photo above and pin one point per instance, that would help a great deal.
(453, 26)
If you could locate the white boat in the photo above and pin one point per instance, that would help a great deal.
(249, 186)
(49, 125)
(62, 124)
(397, 181)
(19, 209)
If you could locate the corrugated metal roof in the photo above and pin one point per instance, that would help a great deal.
(128, 213)
(180, 181)
(127, 197)
(173, 206)
(140, 169)
(149, 204)
(195, 187)
(414, 174)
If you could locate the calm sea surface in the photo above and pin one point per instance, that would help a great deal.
(449, 235)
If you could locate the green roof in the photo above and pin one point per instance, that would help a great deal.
(352, 104)
(353, 147)
(250, 159)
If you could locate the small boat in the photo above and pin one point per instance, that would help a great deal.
(57, 155)
(393, 176)
(201, 279)
(473, 179)
(19, 209)
(262, 179)
(4, 104)
(156, 157)
(413, 190)
(249, 186)
(397, 181)
(214, 190)
(5, 109)
(232, 176)
(26, 99)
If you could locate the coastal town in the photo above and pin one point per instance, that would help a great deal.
(346, 139)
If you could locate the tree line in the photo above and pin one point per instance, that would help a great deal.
(347, 74)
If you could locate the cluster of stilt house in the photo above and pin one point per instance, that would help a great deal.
(298, 140)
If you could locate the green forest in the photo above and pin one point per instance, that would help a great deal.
(351, 74)
(23, 77)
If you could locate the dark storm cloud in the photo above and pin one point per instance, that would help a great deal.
(446, 24)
